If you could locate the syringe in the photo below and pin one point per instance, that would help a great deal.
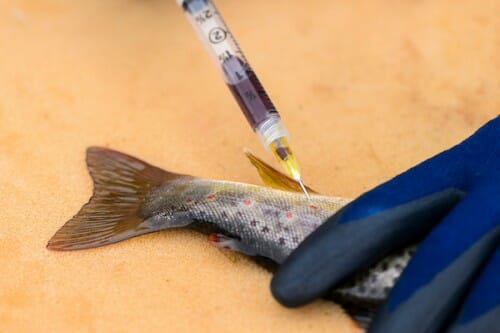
(242, 81)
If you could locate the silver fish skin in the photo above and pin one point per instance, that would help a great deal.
(267, 222)
(264, 222)
(132, 198)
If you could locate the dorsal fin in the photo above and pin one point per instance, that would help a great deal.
(272, 177)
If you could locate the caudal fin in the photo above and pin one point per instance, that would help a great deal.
(121, 183)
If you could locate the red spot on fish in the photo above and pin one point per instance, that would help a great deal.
(314, 206)
(213, 238)
(247, 202)
(289, 215)
(211, 196)
(188, 200)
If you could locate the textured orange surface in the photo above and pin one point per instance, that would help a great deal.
(366, 88)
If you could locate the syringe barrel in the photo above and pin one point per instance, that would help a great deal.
(235, 69)
(211, 29)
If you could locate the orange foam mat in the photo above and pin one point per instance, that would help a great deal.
(366, 88)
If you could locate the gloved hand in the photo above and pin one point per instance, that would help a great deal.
(453, 280)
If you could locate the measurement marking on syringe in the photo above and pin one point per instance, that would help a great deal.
(217, 35)
(201, 18)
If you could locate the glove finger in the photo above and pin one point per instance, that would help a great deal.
(443, 267)
(336, 251)
(481, 311)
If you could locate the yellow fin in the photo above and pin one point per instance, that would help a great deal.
(272, 177)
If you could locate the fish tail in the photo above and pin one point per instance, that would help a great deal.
(121, 183)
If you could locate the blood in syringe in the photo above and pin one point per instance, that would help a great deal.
(248, 91)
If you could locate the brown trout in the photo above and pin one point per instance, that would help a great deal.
(132, 197)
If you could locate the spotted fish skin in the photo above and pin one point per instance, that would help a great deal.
(270, 222)
(132, 197)
(266, 222)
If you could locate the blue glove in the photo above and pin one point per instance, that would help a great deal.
(453, 280)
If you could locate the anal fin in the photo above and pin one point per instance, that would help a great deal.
(225, 242)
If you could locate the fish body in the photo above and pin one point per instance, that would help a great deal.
(132, 198)
(261, 221)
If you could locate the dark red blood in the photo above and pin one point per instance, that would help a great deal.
(211, 196)
(189, 200)
(248, 91)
